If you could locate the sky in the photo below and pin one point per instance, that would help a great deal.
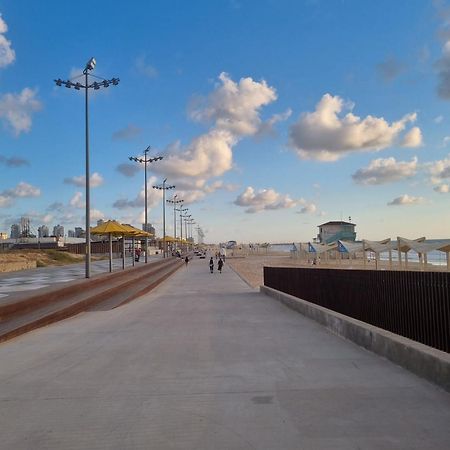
(272, 117)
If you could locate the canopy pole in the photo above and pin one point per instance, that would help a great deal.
(364, 253)
(399, 253)
(390, 259)
(110, 252)
(447, 254)
(133, 252)
(406, 260)
(123, 252)
(425, 261)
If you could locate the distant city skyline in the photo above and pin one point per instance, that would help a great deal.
(272, 117)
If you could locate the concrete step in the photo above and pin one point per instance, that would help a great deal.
(104, 291)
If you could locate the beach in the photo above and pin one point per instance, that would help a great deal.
(250, 267)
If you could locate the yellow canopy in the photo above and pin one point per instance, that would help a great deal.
(109, 227)
(171, 239)
(136, 232)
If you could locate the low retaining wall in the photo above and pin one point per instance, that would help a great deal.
(427, 362)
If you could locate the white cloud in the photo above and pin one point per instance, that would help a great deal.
(413, 138)
(16, 110)
(77, 200)
(234, 108)
(443, 188)
(438, 119)
(265, 199)
(445, 141)
(405, 200)
(7, 54)
(439, 170)
(381, 171)
(327, 136)
(80, 181)
(153, 197)
(96, 214)
(309, 208)
(22, 190)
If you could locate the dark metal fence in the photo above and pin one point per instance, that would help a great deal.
(412, 304)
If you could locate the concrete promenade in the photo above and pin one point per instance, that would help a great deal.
(205, 362)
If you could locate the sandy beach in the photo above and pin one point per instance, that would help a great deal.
(250, 267)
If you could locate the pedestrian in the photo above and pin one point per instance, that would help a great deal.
(211, 265)
(137, 254)
(186, 260)
(220, 265)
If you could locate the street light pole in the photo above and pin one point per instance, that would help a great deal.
(164, 188)
(145, 161)
(86, 86)
(175, 202)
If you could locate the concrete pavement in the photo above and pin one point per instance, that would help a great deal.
(205, 362)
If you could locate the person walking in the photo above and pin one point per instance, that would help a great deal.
(186, 260)
(211, 265)
(220, 265)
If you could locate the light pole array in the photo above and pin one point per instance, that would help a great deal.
(96, 85)
(175, 202)
(145, 161)
(182, 210)
(186, 218)
(164, 188)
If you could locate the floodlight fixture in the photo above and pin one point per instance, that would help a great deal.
(91, 64)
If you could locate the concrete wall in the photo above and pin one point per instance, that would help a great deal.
(427, 362)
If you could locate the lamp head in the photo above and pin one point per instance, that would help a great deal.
(91, 64)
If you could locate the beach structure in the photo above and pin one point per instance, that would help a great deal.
(336, 230)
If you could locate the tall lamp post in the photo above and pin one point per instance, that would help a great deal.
(174, 201)
(182, 210)
(186, 218)
(145, 161)
(96, 85)
(164, 188)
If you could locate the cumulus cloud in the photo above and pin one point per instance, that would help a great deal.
(265, 199)
(405, 200)
(95, 180)
(326, 135)
(14, 161)
(77, 200)
(22, 190)
(153, 197)
(439, 170)
(233, 109)
(390, 68)
(382, 171)
(125, 134)
(267, 128)
(309, 208)
(413, 138)
(7, 54)
(438, 119)
(16, 110)
(56, 206)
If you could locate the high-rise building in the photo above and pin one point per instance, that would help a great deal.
(24, 227)
(71, 233)
(79, 232)
(43, 231)
(149, 228)
(15, 231)
(100, 222)
(58, 231)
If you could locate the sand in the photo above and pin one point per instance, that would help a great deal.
(250, 268)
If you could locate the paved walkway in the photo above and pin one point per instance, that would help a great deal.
(30, 280)
(205, 362)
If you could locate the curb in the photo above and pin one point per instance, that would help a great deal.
(422, 360)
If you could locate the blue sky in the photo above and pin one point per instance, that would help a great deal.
(272, 116)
